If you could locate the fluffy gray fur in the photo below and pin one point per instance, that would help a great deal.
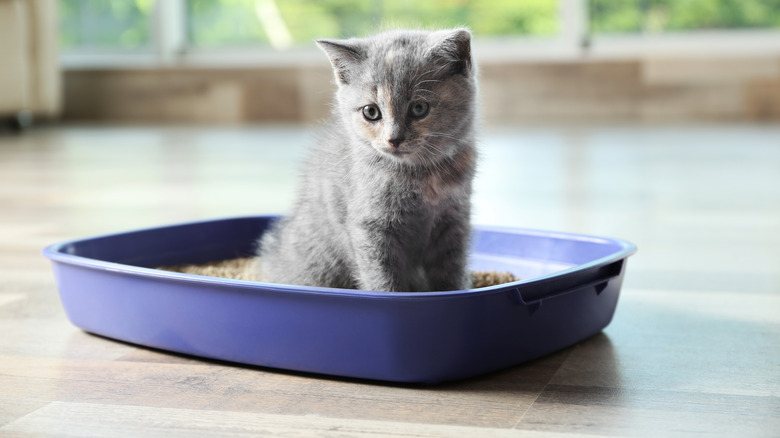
(384, 204)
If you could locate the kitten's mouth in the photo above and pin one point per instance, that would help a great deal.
(406, 153)
(395, 151)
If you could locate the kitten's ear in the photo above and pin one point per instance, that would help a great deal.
(344, 55)
(453, 48)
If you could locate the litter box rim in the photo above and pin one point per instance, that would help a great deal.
(58, 252)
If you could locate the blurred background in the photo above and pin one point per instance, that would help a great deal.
(237, 61)
(651, 120)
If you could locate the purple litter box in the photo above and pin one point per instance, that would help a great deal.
(108, 286)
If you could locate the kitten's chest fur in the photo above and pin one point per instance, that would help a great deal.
(395, 190)
(407, 218)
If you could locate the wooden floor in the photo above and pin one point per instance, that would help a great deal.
(693, 350)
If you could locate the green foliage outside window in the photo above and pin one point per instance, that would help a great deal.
(126, 24)
(238, 22)
(98, 24)
(631, 16)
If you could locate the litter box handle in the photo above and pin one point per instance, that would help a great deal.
(533, 294)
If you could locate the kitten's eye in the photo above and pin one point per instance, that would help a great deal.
(372, 113)
(418, 110)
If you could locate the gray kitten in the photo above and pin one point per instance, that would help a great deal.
(384, 200)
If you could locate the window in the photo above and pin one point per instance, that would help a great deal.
(171, 31)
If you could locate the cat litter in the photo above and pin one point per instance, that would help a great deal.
(569, 290)
(247, 268)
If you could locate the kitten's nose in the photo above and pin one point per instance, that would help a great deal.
(395, 142)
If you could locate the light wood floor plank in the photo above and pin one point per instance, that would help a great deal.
(101, 420)
(494, 402)
(621, 412)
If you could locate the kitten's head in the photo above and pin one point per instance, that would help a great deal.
(407, 94)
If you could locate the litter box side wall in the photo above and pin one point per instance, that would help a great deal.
(320, 333)
(405, 339)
